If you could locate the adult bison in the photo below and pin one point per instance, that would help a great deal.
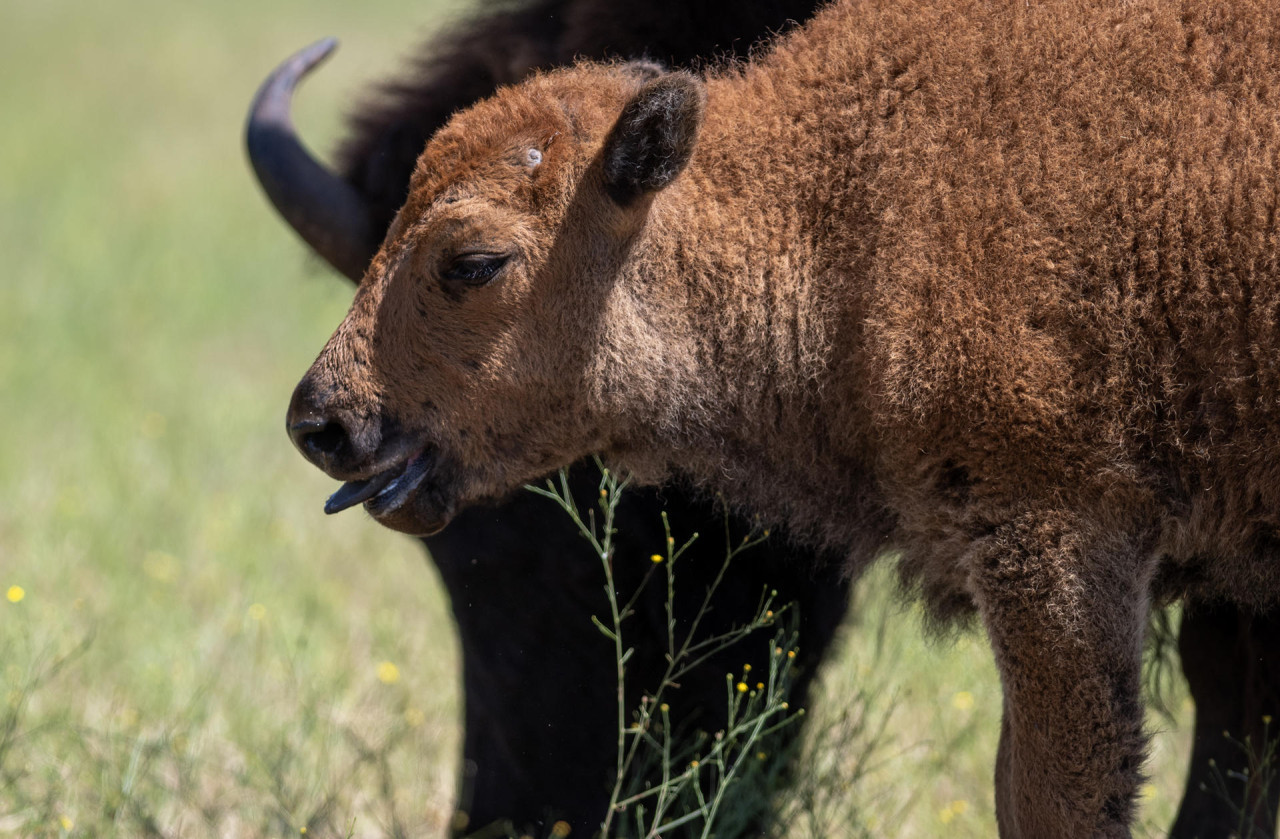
(993, 286)
(538, 678)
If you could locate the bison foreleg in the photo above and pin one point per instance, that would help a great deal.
(1065, 610)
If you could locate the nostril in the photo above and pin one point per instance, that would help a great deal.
(327, 441)
(319, 440)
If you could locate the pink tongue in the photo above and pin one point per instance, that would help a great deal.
(354, 492)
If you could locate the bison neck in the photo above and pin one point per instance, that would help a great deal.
(750, 270)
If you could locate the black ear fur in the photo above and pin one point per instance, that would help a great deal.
(654, 137)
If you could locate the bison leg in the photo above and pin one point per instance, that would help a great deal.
(1065, 612)
(1232, 662)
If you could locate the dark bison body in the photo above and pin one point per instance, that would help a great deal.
(539, 689)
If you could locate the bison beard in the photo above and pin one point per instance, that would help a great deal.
(532, 756)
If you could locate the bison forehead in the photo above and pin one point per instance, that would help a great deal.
(558, 114)
(488, 147)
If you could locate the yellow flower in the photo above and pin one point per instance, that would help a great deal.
(1146, 792)
(746, 668)
(761, 755)
(656, 557)
(693, 764)
(604, 493)
(791, 653)
(66, 823)
(414, 717)
(962, 700)
(388, 673)
(742, 687)
(303, 830)
(560, 829)
(665, 707)
(257, 611)
(949, 812)
(16, 593)
(759, 685)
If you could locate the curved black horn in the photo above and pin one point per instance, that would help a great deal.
(325, 210)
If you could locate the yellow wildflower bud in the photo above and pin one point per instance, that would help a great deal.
(16, 593)
(742, 687)
(388, 673)
(656, 557)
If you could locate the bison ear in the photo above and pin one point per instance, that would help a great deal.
(654, 137)
(644, 69)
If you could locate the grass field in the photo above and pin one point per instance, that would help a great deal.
(188, 647)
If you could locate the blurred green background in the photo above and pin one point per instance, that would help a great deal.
(188, 646)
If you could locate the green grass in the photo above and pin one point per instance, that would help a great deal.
(223, 639)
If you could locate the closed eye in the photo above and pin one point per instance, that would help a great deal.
(475, 269)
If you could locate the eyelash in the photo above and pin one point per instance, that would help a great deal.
(475, 269)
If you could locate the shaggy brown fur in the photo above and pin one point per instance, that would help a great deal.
(993, 285)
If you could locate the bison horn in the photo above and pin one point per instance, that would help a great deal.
(326, 211)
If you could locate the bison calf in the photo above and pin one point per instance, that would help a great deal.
(993, 286)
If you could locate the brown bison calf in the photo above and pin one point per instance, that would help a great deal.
(992, 287)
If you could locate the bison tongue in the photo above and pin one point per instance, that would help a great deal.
(354, 492)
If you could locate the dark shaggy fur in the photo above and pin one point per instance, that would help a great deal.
(991, 284)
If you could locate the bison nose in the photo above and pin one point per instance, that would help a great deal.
(321, 441)
(328, 438)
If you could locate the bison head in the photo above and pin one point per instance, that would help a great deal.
(504, 329)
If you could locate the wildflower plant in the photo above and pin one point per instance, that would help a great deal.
(667, 779)
(1246, 791)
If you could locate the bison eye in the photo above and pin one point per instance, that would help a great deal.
(475, 268)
